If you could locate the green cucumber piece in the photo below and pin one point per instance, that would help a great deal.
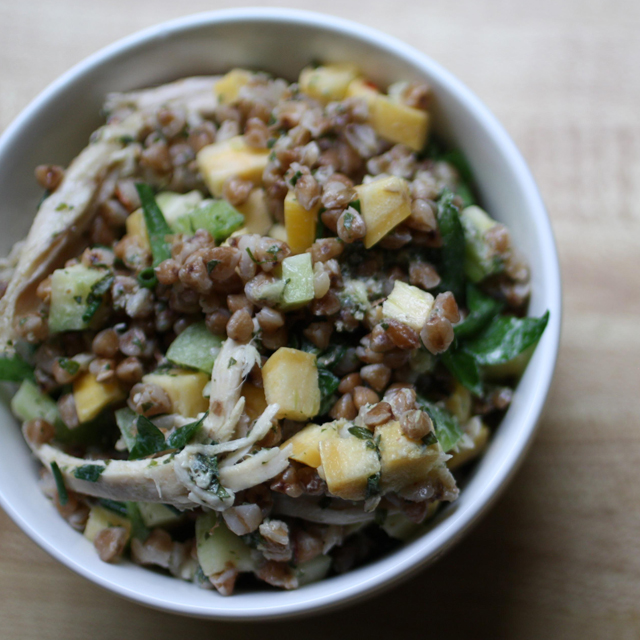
(297, 273)
(175, 205)
(125, 419)
(155, 514)
(313, 570)
(217, 217)
(196, 347)
(479, 260)
(217, 546)
(30, 403)
(70, 291)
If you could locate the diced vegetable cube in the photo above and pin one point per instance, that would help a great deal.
(290, 379)
(403, 461)
(70, 288)
(480, 260)
(297, 273)
(312, 570)
(348, 464)
(384, 204)
(254, 400)
(218, 547)
(360, 88)
(408, 304)
(327, 83)
(278, 232)
(398, 526)
(306, 443)
(257, 218)
(227, 89)
(91, 396)
(155, 514)
(299, 223)
(136, 227)
(196, 347)
(30, 403)
(126, 419)
(217, 217)
(399, 123)
(184, 388)
(101, 518)
(228, 159)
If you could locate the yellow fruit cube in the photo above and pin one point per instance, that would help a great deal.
(228, 159)
(290, 379)
(136, 227)
(408, 304)
(306, 443)
(254, 400)
(360, 88)
(384, 204)
(227, 89)
(101, 518)
(478, 434)
(348, 463)
(403, 461)
(91, 396)
(184, 389)
(299, 223)
(327, 83)
(257, 218)
(399, 123)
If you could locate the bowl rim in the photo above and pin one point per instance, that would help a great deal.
(410, 558)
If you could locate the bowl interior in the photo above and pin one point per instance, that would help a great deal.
(55, 127)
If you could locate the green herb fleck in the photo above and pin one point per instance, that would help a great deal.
(89, 472)
(211, 265)
(70, 366)
(63, 496)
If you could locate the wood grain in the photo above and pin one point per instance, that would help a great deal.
(559, 555)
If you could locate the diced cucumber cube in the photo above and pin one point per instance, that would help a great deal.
(155, 514)
(217, 217)
(175, 205)
(297, 273)
(313, 570)
(480, 261)
(30, 403)
(196, 347)
(70, 288)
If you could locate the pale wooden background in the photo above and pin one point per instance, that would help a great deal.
(559, 556)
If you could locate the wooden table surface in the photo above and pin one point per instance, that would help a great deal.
(559, 555)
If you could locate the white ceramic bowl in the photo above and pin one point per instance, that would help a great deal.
(55, 127)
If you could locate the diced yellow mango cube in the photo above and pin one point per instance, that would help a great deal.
(478, 433)
(278, 232)
(290, 379)
(91, 396)
(184, 389)
(384, 204)
(136, 227)
(399, 123)
(403, 461)
(227, 89)
(360, 88)
(327, 83)
(254, 400)
(228, 159)
(408, 304)
(299, 223)
(101, 518)
(347, 464)
(257, 218)
(306, 443)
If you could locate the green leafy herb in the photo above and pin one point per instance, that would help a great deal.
(89, 472)
(126, 139)
(357, 205)
(430, 439)
(149, 440)
(117, 507)
(70, 366)
(147, 278)
(447, 427)
(331, 356)
(232, 361)
(347, 220)
(96, 295)
(181, 436)
(362, 433)
(157, 227)
(505, 338)
(139, 529)
(453, 247)
(211, 265)
(296, 176)
(373, 486)
(482, 309)
(14, 369)
(328, 384)
(63, 496)
(464, 368)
